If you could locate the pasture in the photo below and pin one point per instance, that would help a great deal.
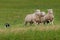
(14, 12)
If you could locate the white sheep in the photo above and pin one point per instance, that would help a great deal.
(49, 17)
(28, 19)
(42, 19)
(33, 18)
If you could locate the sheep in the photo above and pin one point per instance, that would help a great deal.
(49, 17)
(33, 18)
(28, 19)
(42, 19)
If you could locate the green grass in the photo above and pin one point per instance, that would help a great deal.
(9, 34)
(14, 12)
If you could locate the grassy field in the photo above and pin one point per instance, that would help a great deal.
(14, 12)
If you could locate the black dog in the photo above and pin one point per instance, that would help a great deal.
(7, 25)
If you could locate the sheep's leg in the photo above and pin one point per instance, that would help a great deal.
(43, 22)
(31, 23)
(35, 22)
(38, 23)
(52, 22)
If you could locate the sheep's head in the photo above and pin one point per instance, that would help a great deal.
(37, 12)
(42, 14)
(50, 11)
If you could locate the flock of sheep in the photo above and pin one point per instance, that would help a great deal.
(40, 17)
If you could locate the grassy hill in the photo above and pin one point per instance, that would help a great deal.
(14, 12)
